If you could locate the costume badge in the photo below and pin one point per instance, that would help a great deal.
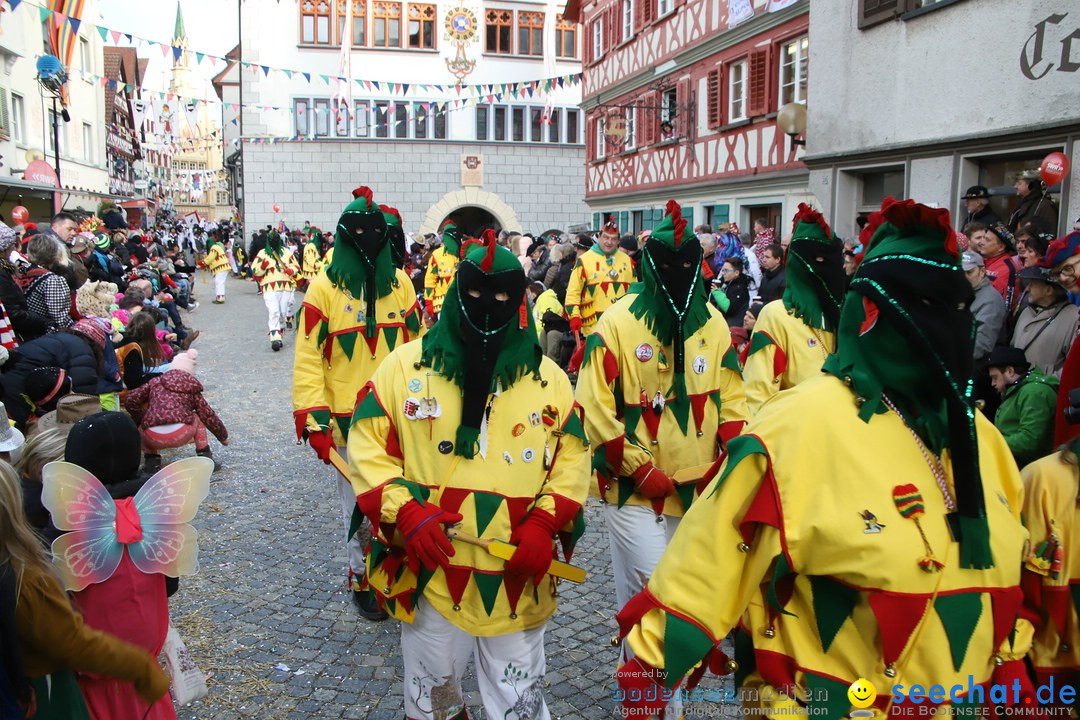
(644, 352)
(811, 342)
(349, 308)
(872, 524)
(359, 316)
(527, 455)
(414, 385)
(662, 362)
(446, 447)
(700, 364)
(534, 418)
(613, 273)
(391, 315)
(429, 408)
(658, 403)
(412, 408)
(506, 456)
(518, 430)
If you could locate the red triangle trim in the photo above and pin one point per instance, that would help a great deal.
(697, 404)
(1006, 606)
(513, 584)
(897, 617)
(452, 498)
(370, 504)
(516, 508)
(312, 317)
(776, 669)
(765, 508)
(1056, 601)
(633, 611)
(565, 510)
(457, 579)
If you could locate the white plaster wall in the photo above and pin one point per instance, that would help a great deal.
(930, 181)
(948, 73)
(544, 185)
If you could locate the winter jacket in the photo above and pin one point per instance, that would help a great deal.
(136, 250)
(175, 397)
(1038, 208)
(48, 296)
(79, 272)
(773, 284)
(26, 324)
(986, 216)
(1055, 327)
(738, 293)
(62, 350)
(1003, 271)
(107, 268)
(1026, 416)
(988, 307)
(562, 277)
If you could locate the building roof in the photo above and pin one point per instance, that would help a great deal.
(123, 66)
(179, 36)
(231, 58)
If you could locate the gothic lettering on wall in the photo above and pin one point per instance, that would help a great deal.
(1051, 41)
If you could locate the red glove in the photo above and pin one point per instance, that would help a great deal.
(322, 442)
(575, 326)
(652, 482)
(425, 538)
(534, 552)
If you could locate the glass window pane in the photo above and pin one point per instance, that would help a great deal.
(553, 127)
(395, 33)
(500, 123)
(381, 118)
(523, 40)
(380, 33)
(308, 30)
(401, 121)
(572, 133)
(362, 119)
(429, 34)
(481, 123)
(342, 120)
(421, 121)
(518, 122)
(300, 113)
(536, 117)
(504, 38)
(492, 38)
(324, 30)
(440, 125)
(537, 41)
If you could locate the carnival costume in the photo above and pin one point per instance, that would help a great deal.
(276, 270)
(216, 261)
(441, 268)
(793, 336)
(867, 522)
(596, 283)
(313, 255)
(471, 425)
(353, 315)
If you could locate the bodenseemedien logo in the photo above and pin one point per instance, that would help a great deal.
(862, 695)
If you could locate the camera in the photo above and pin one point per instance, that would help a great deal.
(1072, 412)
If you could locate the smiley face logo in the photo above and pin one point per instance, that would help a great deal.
(861, 693)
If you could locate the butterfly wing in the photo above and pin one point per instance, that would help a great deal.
(75, 498)
(86, 557)
(171, 550)
(173, 494)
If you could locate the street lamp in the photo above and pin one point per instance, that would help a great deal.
(51, 78)
(792, 122)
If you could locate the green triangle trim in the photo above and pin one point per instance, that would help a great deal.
(631, 418)
(959, 615)
(744, 656)
(391, 606)
(715, 397)
(739, 449)
(369, 407)
(685, 644)
(488, 585)
(781, 570)
(681, 410)
(487, 505)
(343, 423)
(419, 492)
(731, 360)
(391, 334)
(324, 332)
(833, 603)
(758, 341)
(347, 341)
(828, 694)
(422, 579)
(686, 495)
(591, 343)
(574, 427)
(599, 459)
(355, 521)
(577, 532)
(626, 489)
(322, 417)
(412, 322)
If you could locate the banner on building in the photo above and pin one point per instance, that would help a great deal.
(739, 11)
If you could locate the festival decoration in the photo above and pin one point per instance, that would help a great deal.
(20, 214)
(1054, 168)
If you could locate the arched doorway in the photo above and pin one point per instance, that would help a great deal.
(474, 220)
(503, 215)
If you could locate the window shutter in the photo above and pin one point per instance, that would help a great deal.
(624, 221)
(639, 14)
(5, 122)
(688, 214)
(712, 84)
(651, 101)
(648, 10)
(758, 83)
(721, 214)
(596, 217)
(613, 26)
(873, 12)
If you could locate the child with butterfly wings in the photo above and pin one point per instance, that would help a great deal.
(128, 541)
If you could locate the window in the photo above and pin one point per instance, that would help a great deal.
(669, 102)
(382, 119)
(362, 116)
(341, 119)
(601, 149)
(565, 38)
(84, 55)
(530, 33)
(386, 24)
(359, 21)
(517, 122)
(88, 142)
(663, 7)
(598, 38)
(421, 120)
(315, 22)
(500, 122)
(5, 118)
(18, 119)
(401, 121)
(322, 117)
(46, 36)
(757, 88)
(873, 12)
(482, 112)
(627, 19)
(736, 91)
(876, 186)
(794, 64)
(572, 127)
(439, 119)
(630, 141)
(422, 26)
(500, 25)
(536, 123)
(553, 125)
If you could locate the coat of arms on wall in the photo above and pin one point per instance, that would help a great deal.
(461, 29)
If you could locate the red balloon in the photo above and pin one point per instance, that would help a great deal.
(1054, 168)
(277, 208)
(20, 215)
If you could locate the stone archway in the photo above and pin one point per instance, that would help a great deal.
(451, 201)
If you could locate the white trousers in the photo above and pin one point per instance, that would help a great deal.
(637, 542)
(354, 545)
(219, 283)
(509, 668)
(279, 305)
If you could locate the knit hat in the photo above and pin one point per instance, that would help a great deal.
(185, 361)
(92, 330)
(7, 239)
(1062, 249)
(906, 332)
(107, 444)
(815, 271)
(44, 387)
(102, 242)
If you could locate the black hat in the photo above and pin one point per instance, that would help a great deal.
(535, 246)
(1002, 232)
(976, 192)
(107, 444)
(583, 242)
(1007, 356)
(1038, 272)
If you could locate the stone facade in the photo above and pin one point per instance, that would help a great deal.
(526, 188)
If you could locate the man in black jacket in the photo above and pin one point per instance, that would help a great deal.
(977, 202)
(773, 275)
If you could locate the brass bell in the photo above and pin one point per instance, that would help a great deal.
(998, 660)
(513, 616)
(543, 383)
(743, 547)
(615, 642)
(848, 381)
(457, 608)
(659, 518)
(890, 671)
(536, 376)
(1065, 647)
(386, 590)
(372, 357)
(417, 365)
(731, 666)
(699, 433)
(770, 632)
(860, 401)
(654, 442)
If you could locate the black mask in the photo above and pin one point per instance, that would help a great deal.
(677, 270)
(367, 233)
(396, 237)
(825, 278)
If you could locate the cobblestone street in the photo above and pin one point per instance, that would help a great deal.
(267, 615)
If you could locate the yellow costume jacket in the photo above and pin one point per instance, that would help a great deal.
(783, 352)
(334, 358)
(313, 262)
(624, 368)
(596, 282)
(1052, 570)
(800, 536)
(271, 274)
(396, 455)
(216, 260)
(440, 273)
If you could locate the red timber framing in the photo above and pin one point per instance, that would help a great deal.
(735, 91)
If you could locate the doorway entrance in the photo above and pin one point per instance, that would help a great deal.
(771, 215)
(473, 220)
